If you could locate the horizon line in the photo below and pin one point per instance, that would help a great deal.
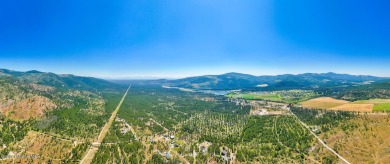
(156, 77)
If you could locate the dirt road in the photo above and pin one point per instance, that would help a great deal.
(321, 141)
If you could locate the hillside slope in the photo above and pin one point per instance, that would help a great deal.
(231, 81)
(25, 95)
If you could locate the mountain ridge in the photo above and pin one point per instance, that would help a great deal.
(59, 80)
(234, 80)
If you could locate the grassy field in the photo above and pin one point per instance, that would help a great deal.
(271, 97)
(251, 96)
(382, 107)
(361, 105)
(379, 104)
(355, 107)
(286, 96)
(323, 103)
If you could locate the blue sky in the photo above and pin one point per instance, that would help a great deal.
(165, 38)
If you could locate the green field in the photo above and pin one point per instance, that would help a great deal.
(250, 96)
(382, 107)
(379, 104)
(287, 96)
(271, 97)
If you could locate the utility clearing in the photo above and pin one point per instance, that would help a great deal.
(95, 146)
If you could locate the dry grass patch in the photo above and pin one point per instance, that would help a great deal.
(46, 146)
(379, 104)
(323, 103)
(355, 107)
(365, 141)
(372, 101)
(32, 107)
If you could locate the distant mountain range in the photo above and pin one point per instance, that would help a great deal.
(228, 81)
(231, 81)
(59, 81)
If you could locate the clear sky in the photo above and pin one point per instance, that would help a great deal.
(169, 38)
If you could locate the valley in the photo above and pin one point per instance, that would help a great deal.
(195, 82)
(42, 122)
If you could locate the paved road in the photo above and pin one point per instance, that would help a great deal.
(321, 141)
(91, 151)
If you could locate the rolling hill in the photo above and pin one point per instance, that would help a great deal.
(231, 81)
(59, 81)
(25, 95)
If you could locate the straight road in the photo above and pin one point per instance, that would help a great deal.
(95, 146)
(321, 141)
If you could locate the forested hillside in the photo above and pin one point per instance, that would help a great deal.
(41, 112)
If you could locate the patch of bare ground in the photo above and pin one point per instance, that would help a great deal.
(32, 107)
(41, 148)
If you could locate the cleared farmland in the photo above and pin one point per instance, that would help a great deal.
(249, 96)
(323, 103)
(360, 106)
(379, 104)
(354, 107)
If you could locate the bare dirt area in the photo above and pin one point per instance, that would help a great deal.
(25, 109)
(42, 148)
(323, 103)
